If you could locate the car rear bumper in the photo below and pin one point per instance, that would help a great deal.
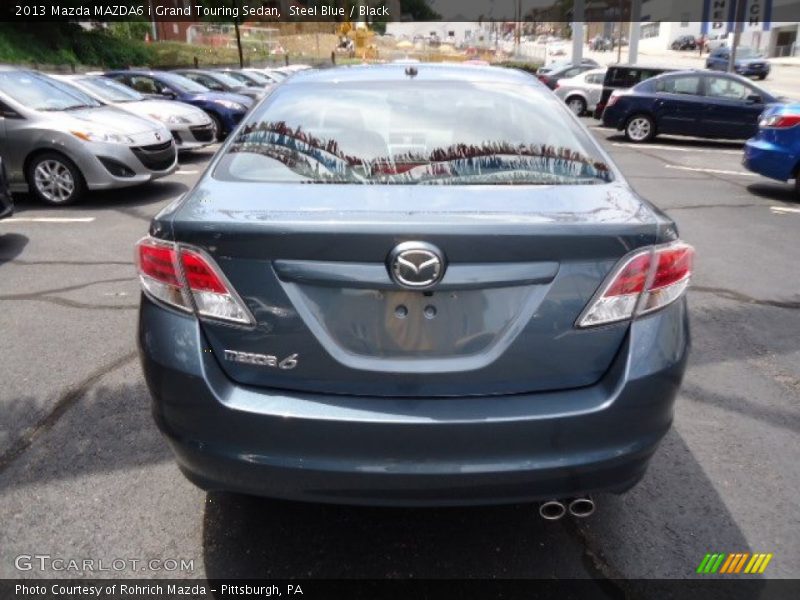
(412, 451)
(769, 160)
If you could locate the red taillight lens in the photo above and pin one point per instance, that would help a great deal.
(199, 275)
(612, 99)
(780, 121)
(673, 265)
(632, 277)
(646, 281)
(187, 279)
(158, 262)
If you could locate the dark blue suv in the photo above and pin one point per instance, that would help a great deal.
(224, 108)
(749, 63)
(414, 286)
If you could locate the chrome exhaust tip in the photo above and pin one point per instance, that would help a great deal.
(552, 510)
(581, 507)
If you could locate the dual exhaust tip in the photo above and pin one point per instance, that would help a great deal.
(581, 507)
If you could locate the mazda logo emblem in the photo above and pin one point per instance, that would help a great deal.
(158, 136)
(416, 265)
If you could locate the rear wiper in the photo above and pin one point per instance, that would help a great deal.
(78, 106)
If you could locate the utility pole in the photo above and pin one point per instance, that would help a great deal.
(635, 32)
(738, 12)
(578, 15)
(238, 34)
(619, 32)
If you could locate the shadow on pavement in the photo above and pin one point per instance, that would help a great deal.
(783, 192)
(11, 246)
(660, 529)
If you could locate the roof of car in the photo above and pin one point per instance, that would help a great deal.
(398, 72)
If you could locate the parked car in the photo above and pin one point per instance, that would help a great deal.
(684, 42)
(749, 63)
(191, 127)
(582, 92)
(695, 103)
(274, 75)
(251, 77)
(622, 77)
(600, 44)
(552, 78)
(554, 66)
(715, 40)
(219, 81)
(774, 151)
(6, 202)
(225, 109)
(58, 142)
(375, 338)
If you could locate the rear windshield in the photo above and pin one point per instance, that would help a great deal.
(412, 133)
(626, 77)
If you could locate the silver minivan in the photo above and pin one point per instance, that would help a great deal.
(58, 142)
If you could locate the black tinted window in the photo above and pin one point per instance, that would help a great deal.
(679, 85)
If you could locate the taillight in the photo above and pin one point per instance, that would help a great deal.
(612, 99)
(187, 279)
(643, 282)
(779, 121)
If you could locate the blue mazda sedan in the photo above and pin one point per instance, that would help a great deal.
(224, 108)
(748, 63)
(775, 150)
(414, 285)
(695, 103)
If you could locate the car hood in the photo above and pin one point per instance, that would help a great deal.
(749, 61)
(166, 108)
(219, 96)
(108, 119)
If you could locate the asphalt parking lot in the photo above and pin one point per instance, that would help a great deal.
(85, 474)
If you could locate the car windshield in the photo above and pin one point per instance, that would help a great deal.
(241, 78)
(226, 79)
(254, 76)
(39, 92)
(181, 83)
(428, 133)
(110, 90)
(743, 52)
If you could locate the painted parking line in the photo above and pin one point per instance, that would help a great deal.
(677, 148)
(186, 172)
(712, 171)
(48, 220)
(784, 210)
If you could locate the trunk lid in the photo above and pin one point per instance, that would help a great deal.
(310, 263)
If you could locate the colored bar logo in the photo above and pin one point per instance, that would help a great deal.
(734, 563)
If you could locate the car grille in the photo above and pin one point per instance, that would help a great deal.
(203, 133)
(156, 157)
(757, 66)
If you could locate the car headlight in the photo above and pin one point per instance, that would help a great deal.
(98, 136)
(171, 119)
(230, 105)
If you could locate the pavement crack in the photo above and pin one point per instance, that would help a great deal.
(611, 581)
(739, 297)
(83, 263)
(70, 288)
(64, 403)
(700, 206)
(65, 302)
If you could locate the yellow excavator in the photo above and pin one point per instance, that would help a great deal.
(358, 41)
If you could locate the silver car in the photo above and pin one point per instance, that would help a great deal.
(191, 127)
(582, 92)
(58, 142)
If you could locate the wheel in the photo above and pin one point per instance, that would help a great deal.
(54, 179)
(797, 184)
(577, 105)
(762, 76)
(640, 128)
(220, 133)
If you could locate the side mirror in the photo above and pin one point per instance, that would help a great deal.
(168, 93)
(754, 99)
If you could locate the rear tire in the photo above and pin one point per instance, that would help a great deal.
(640, 129)
(577, 105)
(762, 77)
(54, 179)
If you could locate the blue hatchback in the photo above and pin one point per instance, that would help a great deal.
(695, 103)
(774, 151)
(225, 109)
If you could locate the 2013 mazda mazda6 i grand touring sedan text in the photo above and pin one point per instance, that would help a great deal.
(413, 285)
